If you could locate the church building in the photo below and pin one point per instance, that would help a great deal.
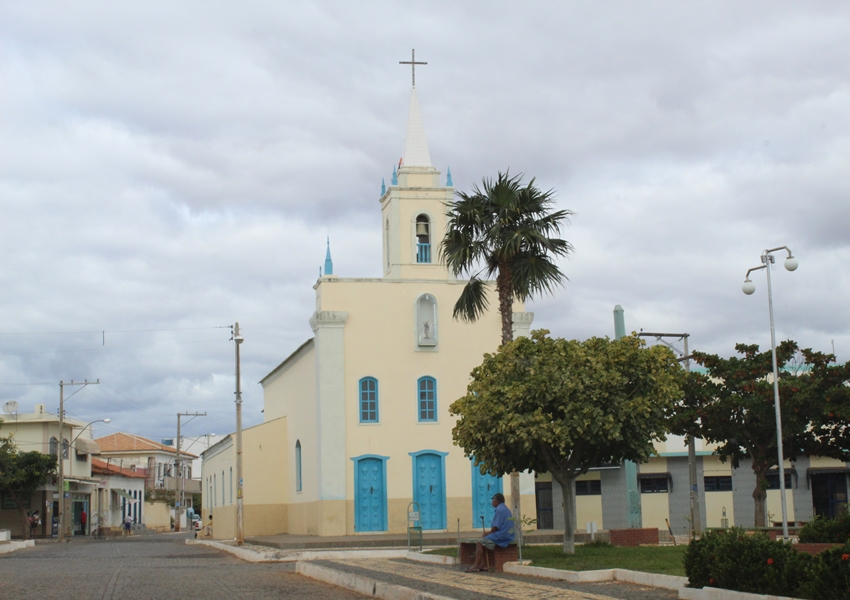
(357, 426)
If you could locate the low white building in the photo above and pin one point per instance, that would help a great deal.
(120, 491)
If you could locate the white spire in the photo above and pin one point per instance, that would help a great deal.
(415, 145)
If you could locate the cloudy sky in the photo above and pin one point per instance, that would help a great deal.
(168, 168)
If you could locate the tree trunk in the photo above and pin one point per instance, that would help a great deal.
(759, 494)
(568, 493)
(506, 303)
(24, 520)
(506, 297)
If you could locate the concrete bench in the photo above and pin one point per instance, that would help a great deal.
(497, 557)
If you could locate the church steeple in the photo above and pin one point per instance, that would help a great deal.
(415, 145)
(329, 263)
(413, 207)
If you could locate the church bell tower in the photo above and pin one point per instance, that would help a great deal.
(413, 207)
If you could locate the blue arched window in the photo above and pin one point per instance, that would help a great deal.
(297, 465)
(368, 400)
(222, 487)
(427, 388)
(231, 485)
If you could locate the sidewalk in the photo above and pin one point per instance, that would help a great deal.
(395, 573)
(287, 541)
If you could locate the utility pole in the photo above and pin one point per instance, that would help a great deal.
(179, 463)
(240, 538)
(65, 501)
(696, 522)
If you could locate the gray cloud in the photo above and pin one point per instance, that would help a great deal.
(177, 167)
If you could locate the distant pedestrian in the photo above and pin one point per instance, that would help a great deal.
(208, 528)
(128, 521)
(34, 521)
(83, 520)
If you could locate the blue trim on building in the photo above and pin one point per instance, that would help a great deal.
(363, 403)
(414, 456)
(356, 460)
(426, 405)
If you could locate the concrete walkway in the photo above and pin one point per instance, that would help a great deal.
(429, 540)
(407, 579)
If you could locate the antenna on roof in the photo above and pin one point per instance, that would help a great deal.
(11, 406)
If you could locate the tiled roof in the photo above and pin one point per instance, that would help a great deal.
(127, 442)
(99, 467)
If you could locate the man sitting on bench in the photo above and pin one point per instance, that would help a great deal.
(501, 534)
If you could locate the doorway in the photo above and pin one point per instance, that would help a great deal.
(829, 494)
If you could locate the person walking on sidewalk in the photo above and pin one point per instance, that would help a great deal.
(501, 534)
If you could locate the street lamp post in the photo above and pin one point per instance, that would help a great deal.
(63, 506)
(748, 288)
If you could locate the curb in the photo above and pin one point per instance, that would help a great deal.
(667, 582)
(254, 554)
(721, 594)
(363, 585)
(435, 559)
(12, 546)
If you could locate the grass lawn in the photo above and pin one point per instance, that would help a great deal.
(651, 559)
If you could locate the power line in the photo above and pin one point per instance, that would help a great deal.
(101, 331)
(101, 348)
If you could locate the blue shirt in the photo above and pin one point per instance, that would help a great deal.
(505, 527)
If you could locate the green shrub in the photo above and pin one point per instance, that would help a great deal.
(734, 560)
(827, 531)
(829, 576)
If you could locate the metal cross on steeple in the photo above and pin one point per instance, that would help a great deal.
(412, 62)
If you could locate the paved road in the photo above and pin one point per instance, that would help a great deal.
(149, 568)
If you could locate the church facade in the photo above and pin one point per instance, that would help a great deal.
(364, 404)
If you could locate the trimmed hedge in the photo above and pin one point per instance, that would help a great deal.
(734, 560)
(827, 531)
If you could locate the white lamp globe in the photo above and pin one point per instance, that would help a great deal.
(791, 264)
(749, 287)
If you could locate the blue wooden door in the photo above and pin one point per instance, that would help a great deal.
(371, 499)
(430, 492)
(483, 488)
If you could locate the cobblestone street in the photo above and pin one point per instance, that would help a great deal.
(148, 568)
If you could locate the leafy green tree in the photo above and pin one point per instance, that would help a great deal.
(504, 230)
(21, 474)
(564, 406)
(733, 406)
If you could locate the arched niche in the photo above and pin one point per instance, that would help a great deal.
(426, 320)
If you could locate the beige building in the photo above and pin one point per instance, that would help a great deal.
(39, 431)
(357, 426)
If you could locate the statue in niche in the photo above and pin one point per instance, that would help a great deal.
(426, 320)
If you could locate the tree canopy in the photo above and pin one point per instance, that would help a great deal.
(732, 405)
(564, 406)
(21, 474)
(506, 230)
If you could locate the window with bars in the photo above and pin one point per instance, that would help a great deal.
(773, 481)
(653, 485)
(368, 400)
(427, 399)
(591, 487)
(718, 483)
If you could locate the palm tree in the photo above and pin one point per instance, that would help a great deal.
(504, 230)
